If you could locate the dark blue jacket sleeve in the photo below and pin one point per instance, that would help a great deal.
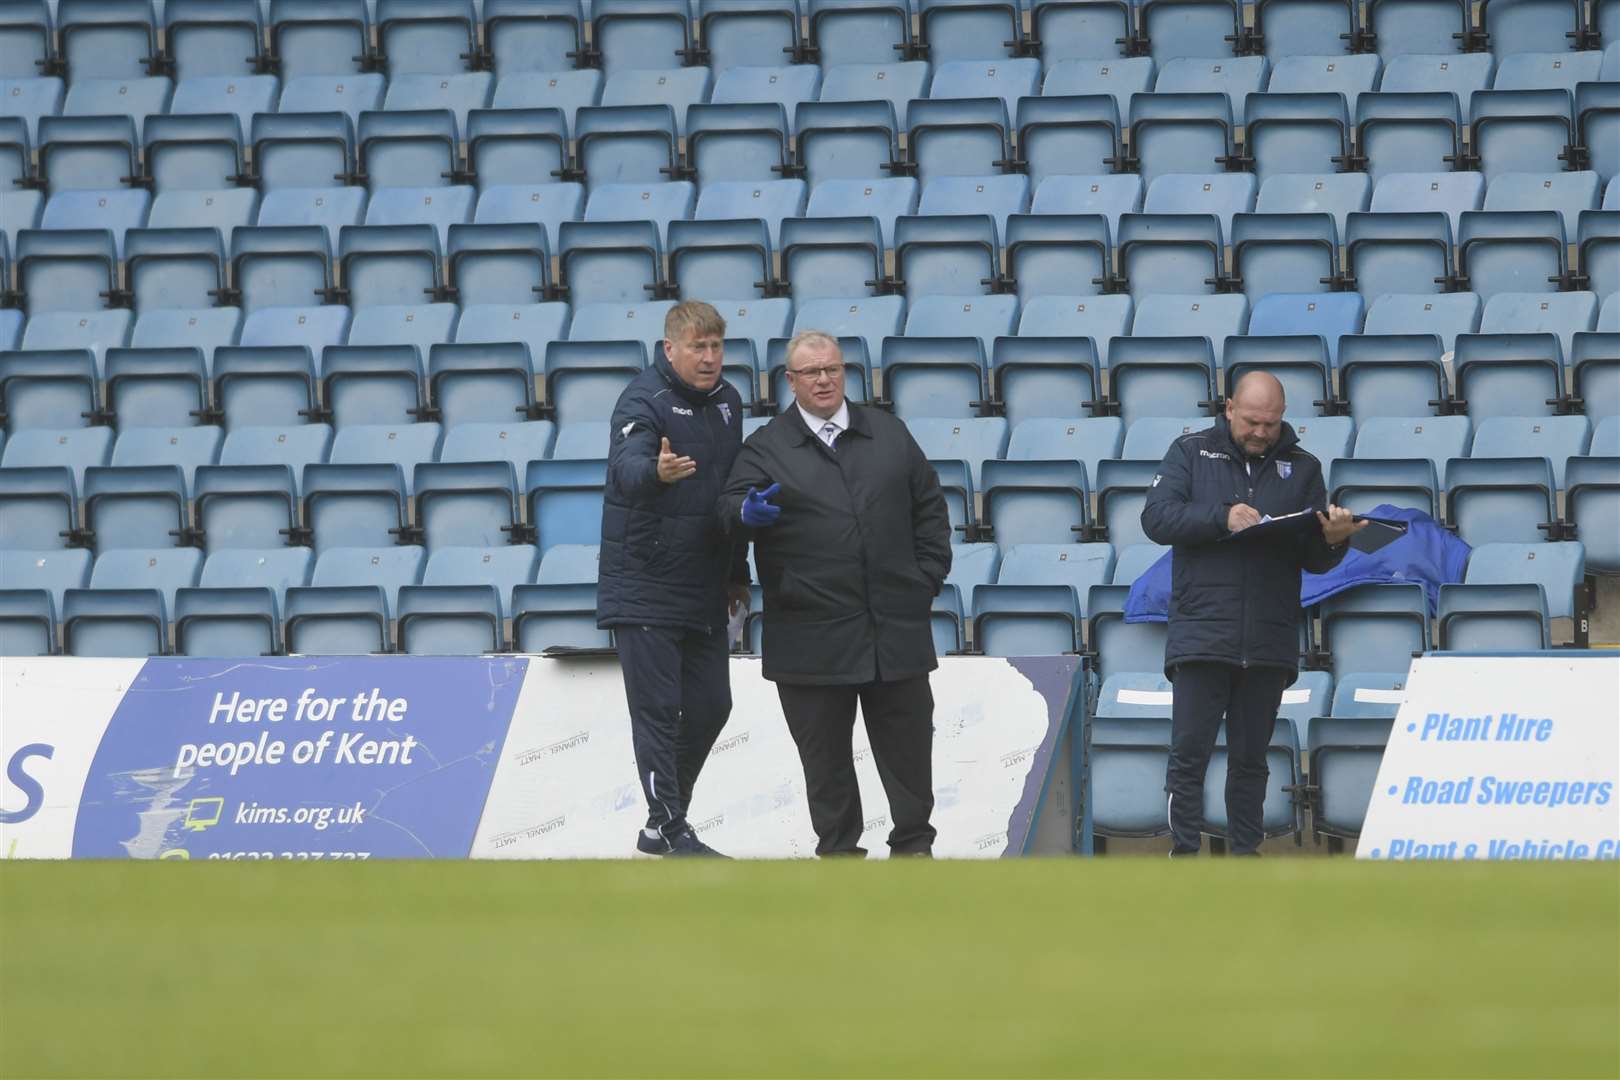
(1173, 514)
(633, 447)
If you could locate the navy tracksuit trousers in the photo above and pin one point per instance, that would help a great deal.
(1205, 694)
(678, 686)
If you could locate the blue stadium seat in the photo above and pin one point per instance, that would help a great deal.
(132, 97)
(1445, 316)
(1519, 131)
(406, 445)
(1283, 253)
(1329, 73)
(1374, 628)
(413, 36)
(1555, 438)
(1134, 694)
(564, 500)
(1336, 194)
(769, 201)
(1398, 27)
(350, 94)
(997, 196)
(898, 83)
(1431, 73)
(638, 34)
(845, 140)
(499, 568)
(1497, 497)
(858, 31)
(174, 268)
(1115, 645)
(276, 569)
(982, 317)
(1177, 28)
(619, 322)
(111, 622)
(547, 205)
(450, 620)
(484, 383)
(1025, 620)
(1117, 77)
(245, 506)
(1111, 197)
(557, 617)
(1150, 437)
(742, 34)
(1325, 437)
(1435, 438)
(1034, 502)
(1594, 374)
(583, 380)
(1235, 76)
(204, 330)
(559, 88)
(1597, 244)
(1571, 194)
(950, 30)
(193, 153)
(610, 261)
(1079, 566)
(532, 35)
(133, 507)
(294, 445)
(1592, 503)
(1058, 254)
(934, 376)
(1302, 362)
(1492, 618)
(264, 385)
(1398, 253)
(1454, 194)
(1557, 567)
(76, 448)
(53, 571)
(1100, 318)
(870, 319)
(27, 43)
(1332, 316)
(492, 264)
(1128, 762)
(64, 269)
(354, 506)
(626, 144)
(1214, 317)
(427, 209)
(226, 622)
(27, 622)
(1221, 195)
(1406, 133)
(48, 390)
(1087, 441)
(1296, 132)
(568, 564)
(1160, 376)
(1179, 133)
(466, 504)
(315, 36)
(1548, 71)
(385, 568)
(187, 447)
(282, 266)
(163, 569)
(1122, 487)
(1052, 377)
(680, 88)
(535, 325)
(1067, 135)
(1170, 253)
(1062, 30)
(414, 148)
(1392, 375)
(754, 321)
(737, 142)
(1508, 375)
(336, 620)
(1343, 755)
(1561, 314)
(659, 203)
(729, 258)
(1597, 124)
(789, 86)
(40, 507)
(1528, 26)
(956, 255)
(1511, 252)
(828, 257)
(302, 151)
(514, 146)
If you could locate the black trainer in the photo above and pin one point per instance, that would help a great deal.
(684, 844)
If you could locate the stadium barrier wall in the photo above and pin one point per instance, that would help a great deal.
(1504, 756)
(318, 758)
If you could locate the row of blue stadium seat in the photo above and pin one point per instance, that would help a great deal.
(948, 252)
(212, 38)
(1186, 372)
(548, 138)
(1051, 481)
(1021, 600)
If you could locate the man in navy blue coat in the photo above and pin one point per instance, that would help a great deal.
(669, 575)
(1233, 642)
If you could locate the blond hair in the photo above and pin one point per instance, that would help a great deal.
(695, 317)
(814, 338)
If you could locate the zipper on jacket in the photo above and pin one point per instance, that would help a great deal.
(1243, 586)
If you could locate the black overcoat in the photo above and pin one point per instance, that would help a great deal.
(861, 549)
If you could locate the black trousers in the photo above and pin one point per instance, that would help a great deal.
(1247, 700)
(678, 687)
(900, 726)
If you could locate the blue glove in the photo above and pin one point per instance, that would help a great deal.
(757, 511)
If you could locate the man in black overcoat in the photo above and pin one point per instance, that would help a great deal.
(852, 542)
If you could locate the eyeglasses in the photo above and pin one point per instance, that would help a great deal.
(815, 374)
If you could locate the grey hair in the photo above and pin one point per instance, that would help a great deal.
(812, 338)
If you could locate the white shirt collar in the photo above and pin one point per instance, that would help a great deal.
(839, 419)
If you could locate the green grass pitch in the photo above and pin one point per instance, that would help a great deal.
(1124, 967)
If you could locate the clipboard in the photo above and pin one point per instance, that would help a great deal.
(1384, 530)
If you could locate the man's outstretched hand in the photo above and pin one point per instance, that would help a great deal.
(672, 467)
(757, 510)
(1338, 525)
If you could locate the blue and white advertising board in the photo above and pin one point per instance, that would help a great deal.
(1501, 757)
(345, 758)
